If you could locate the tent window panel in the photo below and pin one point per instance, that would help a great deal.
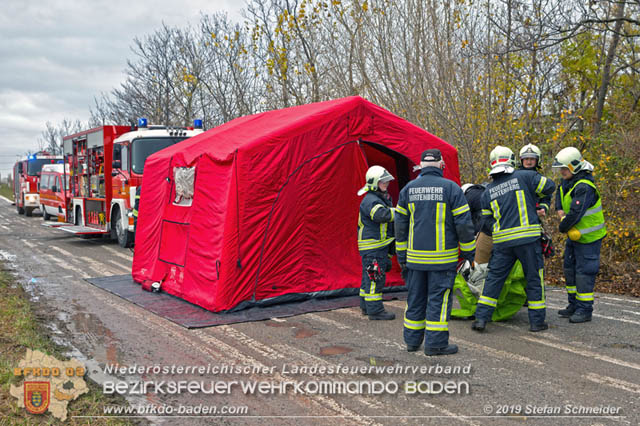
(184, 178)
(173, 242)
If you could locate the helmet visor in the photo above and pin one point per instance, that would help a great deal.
(529, 155)
(386, 177)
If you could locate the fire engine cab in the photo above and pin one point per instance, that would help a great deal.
(105, 168)
(26, 178)
(54, 192)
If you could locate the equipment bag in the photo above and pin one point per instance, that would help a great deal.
(511, 299)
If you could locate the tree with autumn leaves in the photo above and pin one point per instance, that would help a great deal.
(477, 73)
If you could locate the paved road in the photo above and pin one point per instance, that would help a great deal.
(512, 372)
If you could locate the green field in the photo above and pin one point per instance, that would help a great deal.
(6, 191)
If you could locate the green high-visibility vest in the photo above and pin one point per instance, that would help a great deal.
(591, 225)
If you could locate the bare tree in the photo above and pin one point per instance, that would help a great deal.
(618, 16)
(474, 73)
(230, 78)
(50, 139)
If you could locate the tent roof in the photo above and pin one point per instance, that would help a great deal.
(275, 124)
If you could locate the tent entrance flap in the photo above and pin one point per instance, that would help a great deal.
(174, 238)
(397, 164)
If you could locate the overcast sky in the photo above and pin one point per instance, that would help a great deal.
(57, 55)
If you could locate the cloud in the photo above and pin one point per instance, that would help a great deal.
(57, 55)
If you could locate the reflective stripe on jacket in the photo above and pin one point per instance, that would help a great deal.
(509, 206)
(433, 223)
(374, 231)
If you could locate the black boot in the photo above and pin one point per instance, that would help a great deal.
(479, 325)
(382, 316)
(568, 311)
(447, 350)
(538, 327)
(579, 317)
(412, 348)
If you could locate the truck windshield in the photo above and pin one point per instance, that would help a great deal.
(34, 166)
(141, 148)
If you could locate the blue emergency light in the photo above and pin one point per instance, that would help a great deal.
(197, 123)
(32, 157)
(142, 122)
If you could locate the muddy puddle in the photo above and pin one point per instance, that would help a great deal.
(335, 350)
(302, 333)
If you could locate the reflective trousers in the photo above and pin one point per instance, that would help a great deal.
(371, 290)
(428, 307)
(581, 265)
(502, 260)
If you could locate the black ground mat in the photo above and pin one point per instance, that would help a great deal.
(192, 316)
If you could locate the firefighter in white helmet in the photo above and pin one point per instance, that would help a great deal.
(532, 152)
(375, 241)
(579, 205)
(530, 157)
(509, 207)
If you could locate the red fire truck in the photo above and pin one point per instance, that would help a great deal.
(105, 168)
(54, 193)
(26, 178)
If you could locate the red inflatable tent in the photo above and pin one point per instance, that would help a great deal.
(264, 209)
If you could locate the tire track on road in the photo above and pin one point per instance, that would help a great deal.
(249, 342)
(621, 300)
(599, 315)
(495, 353)
(303, 356)
(119, 266)
(610, 381)
(90, 264)
(118, 253)
(582, 352)
(223, 352)
(64, 266)
(321, 400)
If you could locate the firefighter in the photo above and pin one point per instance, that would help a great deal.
(475, 276)
(136, 206)
(433, 221)
(530, 160)
(509, 206)
(375, 240)
(473, 194)
(579, 205)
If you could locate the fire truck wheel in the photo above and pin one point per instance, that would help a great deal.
(125, 238)
(45, 215)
